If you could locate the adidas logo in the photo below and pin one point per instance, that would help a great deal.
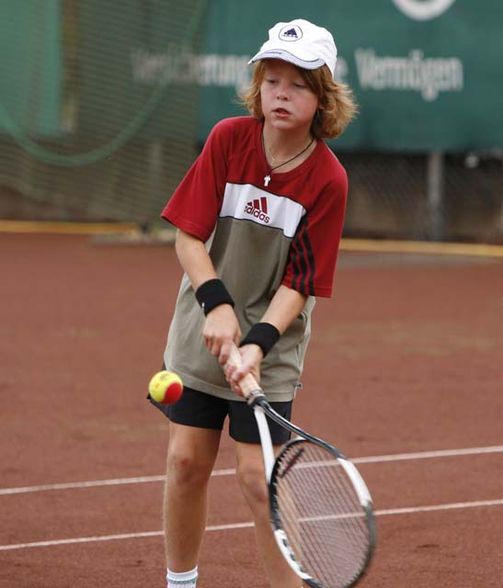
(289, 33)
(258, 209)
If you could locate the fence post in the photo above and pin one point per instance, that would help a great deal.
(435, 194)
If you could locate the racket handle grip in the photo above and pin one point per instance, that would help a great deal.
(249, 385)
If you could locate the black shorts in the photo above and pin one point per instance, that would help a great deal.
(197, 409)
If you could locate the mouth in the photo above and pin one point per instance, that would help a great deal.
(281, 112)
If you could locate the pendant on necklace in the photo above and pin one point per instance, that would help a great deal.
(267, 179)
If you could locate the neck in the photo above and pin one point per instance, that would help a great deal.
(281, 145)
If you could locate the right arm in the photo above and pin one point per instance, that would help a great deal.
(221, 327)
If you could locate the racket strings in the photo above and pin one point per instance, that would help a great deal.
(321, 515)
(314, 538)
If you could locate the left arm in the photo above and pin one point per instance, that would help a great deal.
(284, 308)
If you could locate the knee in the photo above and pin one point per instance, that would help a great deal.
(185, 469)
(253, 486)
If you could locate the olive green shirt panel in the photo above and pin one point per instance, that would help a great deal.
(250, 259)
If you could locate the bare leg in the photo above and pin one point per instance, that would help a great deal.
(253, 486)
(191, 457)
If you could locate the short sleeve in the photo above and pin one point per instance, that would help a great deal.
(313, 252)
(195, 204)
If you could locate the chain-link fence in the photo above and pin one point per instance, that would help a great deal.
(96, 119)
(456, 197)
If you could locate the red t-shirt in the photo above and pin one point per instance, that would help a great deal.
(304, 207)
(258, 237)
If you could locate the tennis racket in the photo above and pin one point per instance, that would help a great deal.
(320, 507)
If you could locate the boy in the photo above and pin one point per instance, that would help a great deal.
(259, 218)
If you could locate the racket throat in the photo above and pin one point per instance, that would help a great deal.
(265, 440)
(288, 554)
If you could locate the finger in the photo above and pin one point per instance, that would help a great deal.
(209, 342)
(238, 391)
(228, 371)
(224, 354)
(237, 375)
(215, 348)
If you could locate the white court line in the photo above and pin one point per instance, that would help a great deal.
(230, 472)
(429, 454)
(97, 483)
(439, 507)
(247, 525)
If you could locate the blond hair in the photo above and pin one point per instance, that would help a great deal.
(337, 106)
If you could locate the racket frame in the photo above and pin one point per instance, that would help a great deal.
(257, 400)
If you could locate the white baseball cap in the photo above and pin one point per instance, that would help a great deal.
(299, 42)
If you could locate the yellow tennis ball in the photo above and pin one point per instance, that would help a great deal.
(165, 387)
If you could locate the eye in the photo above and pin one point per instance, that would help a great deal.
(300, 85)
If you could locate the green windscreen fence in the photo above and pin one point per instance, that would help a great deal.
(97, 116)
(104, 105)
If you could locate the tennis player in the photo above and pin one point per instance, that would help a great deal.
(259, 218)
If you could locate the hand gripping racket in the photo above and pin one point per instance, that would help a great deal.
(321, 509)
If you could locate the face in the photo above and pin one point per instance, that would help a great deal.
(287, 101)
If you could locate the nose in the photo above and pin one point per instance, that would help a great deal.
(282, 91)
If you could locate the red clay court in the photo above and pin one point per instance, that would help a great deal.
(404, 374)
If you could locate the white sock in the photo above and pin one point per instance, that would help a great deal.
(182, 579)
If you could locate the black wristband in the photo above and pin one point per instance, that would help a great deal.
(211, 294)
(264, 335)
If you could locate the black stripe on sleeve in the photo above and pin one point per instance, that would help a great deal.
(303, 261)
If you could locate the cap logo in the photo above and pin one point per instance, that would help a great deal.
(290, 33)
